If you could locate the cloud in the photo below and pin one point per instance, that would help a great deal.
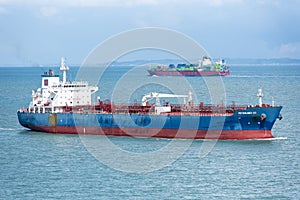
(3, 10)
(290, 49)
(222, 2)
(48, 11)
(268, 2)
(110, 3)
(84, 3)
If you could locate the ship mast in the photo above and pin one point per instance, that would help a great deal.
(260, 95)
(64, 69)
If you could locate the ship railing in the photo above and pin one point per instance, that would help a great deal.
(176, 109)
(183, 109)
(71, 84)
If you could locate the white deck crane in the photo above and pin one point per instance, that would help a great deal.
(158, 108)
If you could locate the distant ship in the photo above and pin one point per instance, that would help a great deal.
(205, 68)
(66, 107)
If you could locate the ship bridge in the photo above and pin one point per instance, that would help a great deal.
(55, 94)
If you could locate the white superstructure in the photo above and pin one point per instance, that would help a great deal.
(206, 61)
(57, 95)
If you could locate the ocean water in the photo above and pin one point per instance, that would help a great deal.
(38, 165)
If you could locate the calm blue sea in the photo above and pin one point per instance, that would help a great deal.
(46, 166)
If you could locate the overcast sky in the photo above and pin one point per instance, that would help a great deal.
(41, 31)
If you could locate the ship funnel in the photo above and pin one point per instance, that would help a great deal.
(260, 95)
(64, 69)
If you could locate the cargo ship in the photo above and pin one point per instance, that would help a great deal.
(66, 107)
(205, 67)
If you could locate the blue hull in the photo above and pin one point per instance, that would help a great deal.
(109, 124)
